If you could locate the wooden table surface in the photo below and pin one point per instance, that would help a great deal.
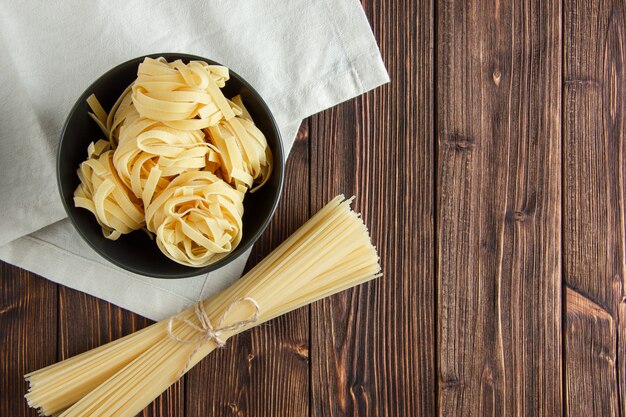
(491, 174)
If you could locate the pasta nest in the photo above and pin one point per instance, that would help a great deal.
(245, 157)
(179, 158)
(183, 96)
(150, 154)
(102, 192)
(197, 218)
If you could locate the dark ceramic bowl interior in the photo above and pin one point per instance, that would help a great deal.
(135, 252)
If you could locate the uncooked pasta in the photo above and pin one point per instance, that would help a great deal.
(245, 156)
(174, 137)
(177, 92)
(331, 252)
(197, 218)
(102, 192)
(150, 153)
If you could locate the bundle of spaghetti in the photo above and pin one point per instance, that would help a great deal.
(329, 253)
(196, 219)
(102, 192)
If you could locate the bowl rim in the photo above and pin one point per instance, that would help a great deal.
(278, 154)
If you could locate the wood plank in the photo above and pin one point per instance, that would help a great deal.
(592, 386)
(594, 97)
(498, 207)
(28, 334)
(372, 348)
(264, 371)
(86, 322)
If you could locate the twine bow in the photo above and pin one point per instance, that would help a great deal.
(206, 330)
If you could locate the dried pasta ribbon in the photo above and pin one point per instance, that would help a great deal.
(246, 158)
(110, 123)
(183, 96)
(197, 219)
(103, 193)
(150, 154)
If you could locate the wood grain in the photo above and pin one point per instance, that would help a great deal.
(86, 322)
(28, 334)
(264, 371)
(500, 115)
(592, 386)
(372, 348)
(498, 208)
(594, 95)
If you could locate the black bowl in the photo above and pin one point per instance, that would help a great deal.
(135, 252)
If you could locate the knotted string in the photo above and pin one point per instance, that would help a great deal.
(206, 330)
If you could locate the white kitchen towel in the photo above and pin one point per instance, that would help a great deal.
(302, 56)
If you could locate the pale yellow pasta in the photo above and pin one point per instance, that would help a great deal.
(183, 96)
(196, 219)
(245, 156)
(110, 124)
(150, 154)
(329, 253)
(103, 193)
(179, 157)
(237, 102)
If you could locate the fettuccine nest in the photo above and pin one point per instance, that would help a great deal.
(178, 159)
